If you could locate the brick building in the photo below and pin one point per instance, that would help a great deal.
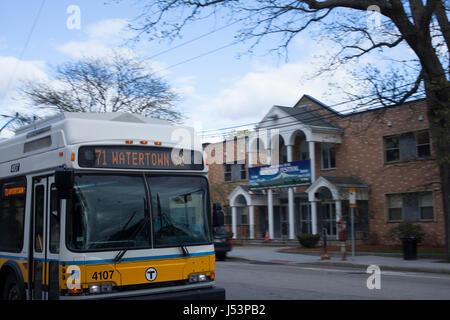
(385, 154)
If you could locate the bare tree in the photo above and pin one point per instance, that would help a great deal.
(422, 26)
(110, 84)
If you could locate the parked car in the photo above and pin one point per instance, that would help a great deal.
(222, 238)
(222, 242)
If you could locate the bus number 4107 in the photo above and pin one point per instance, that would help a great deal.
(103, 275)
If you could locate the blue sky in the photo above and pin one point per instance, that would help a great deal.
(219, 89)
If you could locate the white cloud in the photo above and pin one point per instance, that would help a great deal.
(107, 38)
(249, 98)
(186, 87)
(14, 71)
(103, 38)
(110, 31)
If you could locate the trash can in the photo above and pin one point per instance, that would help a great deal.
(409, 248)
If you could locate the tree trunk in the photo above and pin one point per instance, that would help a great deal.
(438, 102)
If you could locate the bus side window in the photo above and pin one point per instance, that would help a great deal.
(12, 215)
(54, 220)
(39, 219)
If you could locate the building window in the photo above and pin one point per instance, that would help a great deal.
(227, 215)
(227, 172)
(306, 221)
(426, 206)
(328, 155)
(304, 150)
(423, 144)
(395, 207)
(243, 171)
(243, 215)
(234, 172)
(407, 146)
(416, 206)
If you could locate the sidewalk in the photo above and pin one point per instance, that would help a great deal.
(273, 254)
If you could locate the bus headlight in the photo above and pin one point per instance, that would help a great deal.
(199, 277)
(94, 289)
(100, 288)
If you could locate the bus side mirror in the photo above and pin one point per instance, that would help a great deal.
(64, 180)
(218, 216)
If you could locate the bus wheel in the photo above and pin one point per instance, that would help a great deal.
(12, 289)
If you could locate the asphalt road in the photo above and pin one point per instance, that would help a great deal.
(268, 281)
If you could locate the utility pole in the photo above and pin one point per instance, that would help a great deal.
(325, 255)
(352, 201)
(10, 121)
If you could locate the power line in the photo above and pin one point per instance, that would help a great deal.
(27, 41)
(194, 39)
(199, 56)
(354, 109)
(210, 133)
(286, 124)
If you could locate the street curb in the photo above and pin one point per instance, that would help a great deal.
(363, 253)
(350, 265)
(382, 267)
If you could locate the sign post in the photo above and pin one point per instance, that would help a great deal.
(352, 201)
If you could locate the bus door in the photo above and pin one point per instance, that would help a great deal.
(45, 240)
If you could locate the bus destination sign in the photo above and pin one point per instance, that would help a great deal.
(143, 158)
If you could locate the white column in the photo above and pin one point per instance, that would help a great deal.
(291, 212)
(290, 152)
(338, 210)
(234, 221)
(251, 214)
(314, 217)
(338, 213)
(270, 212)
(290, 158)
(312, 157)
(268, 156)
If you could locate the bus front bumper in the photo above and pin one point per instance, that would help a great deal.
(214, 293)
(198, 291)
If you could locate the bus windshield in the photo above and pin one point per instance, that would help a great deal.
(108, 212)
(179, 210)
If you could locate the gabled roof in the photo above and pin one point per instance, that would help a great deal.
(339, 187)
(309, 117)
(307, 97)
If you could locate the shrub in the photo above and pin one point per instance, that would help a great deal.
(405, 230)
(431, 239)
(308, 240)
(372, 238)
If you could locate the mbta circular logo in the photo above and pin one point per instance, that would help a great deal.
(151, 274)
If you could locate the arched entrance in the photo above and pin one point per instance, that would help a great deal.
(327, 195)
(326, 210)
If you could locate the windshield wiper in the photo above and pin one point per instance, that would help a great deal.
(136, 231)
(171, 224)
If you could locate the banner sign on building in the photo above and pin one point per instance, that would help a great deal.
(297, 173)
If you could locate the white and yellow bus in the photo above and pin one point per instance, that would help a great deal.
(104, 206)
